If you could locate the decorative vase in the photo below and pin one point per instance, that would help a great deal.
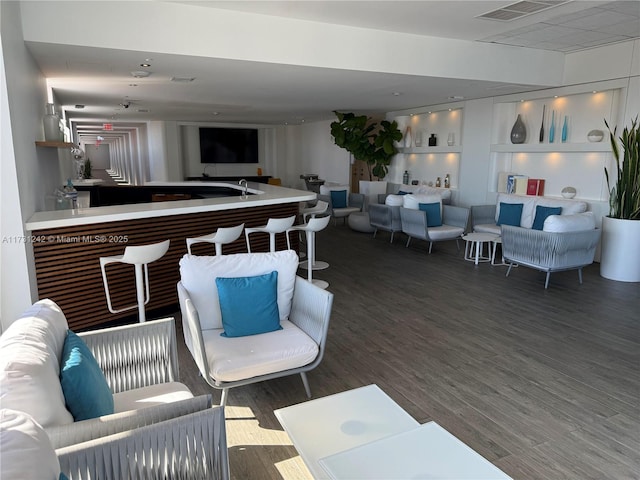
(519, 131)
(564, 130)
(407, 138)
(433, 140)
(51, 123)
(451, 139)
(541, 136)
(552, 127)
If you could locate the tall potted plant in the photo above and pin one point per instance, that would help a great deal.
(620, 255)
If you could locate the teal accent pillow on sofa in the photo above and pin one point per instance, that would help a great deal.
(338, 198)
(510, 214)
(249, 305)
(434, 217)
(541, 215)
(85, 388)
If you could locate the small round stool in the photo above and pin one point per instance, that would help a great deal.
(273, 226)
(220, 237)
(310, 228)
(138, 256)
(359, 222)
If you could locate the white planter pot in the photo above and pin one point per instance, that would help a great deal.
(620, 252)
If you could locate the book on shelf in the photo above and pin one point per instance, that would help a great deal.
(535, 186)
(520, 184)
(503, 181)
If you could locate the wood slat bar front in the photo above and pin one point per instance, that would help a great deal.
(67, 259)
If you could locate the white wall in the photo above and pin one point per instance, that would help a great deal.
(98, 154)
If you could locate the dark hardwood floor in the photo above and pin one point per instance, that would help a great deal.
(545, 384)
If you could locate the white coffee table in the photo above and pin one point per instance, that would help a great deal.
(329, 425)
(428, 451)
(473, 249)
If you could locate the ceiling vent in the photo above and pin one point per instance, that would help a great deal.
(182, 79)
(520, 9)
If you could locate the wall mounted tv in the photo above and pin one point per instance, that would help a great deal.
(228, 145)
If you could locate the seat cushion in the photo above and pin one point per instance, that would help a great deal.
(344, 212)
(158, 394)
(444, 232)
(198, 275)
(488, 228)
(232, 359)
(570, 223)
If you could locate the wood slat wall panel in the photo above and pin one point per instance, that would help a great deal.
(68, 266)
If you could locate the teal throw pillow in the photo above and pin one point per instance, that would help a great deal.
(510, 214)
(63, 477)
(338, 198)
(541, 215)
(249, 305)
(401, 192)
(85, 389)
(434, 217)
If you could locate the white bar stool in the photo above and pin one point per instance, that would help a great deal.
(310, 228)
(222, 236)
(318, 209)
(273, 226)
(138, 256)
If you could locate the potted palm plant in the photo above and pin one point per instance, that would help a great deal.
(620, 256)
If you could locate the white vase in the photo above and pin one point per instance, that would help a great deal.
(408, 140)
(620, 256)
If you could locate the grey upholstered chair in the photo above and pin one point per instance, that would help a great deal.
(385, 217)
(355, 203)
(454, 223)
(549, 251)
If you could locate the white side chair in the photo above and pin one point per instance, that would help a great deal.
(273, 226)
(310, 228)
(222, 236)
(138, 256)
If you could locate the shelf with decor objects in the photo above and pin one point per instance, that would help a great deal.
(54, 144)
(551, 147)
(437, 149)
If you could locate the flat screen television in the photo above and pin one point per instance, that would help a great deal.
(228, 145)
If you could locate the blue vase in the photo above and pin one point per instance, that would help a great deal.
(552, 127)
(564, 130)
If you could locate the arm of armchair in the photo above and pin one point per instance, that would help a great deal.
(357, 200)
(193, 331)
(482, 215)
(311, 311)
(455, 216)
(85, 430)
(380, 215)
(190, 446)
(137, 355)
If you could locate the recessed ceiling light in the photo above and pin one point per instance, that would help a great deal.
(133, 84)
(396, 94)
(456, 97)
(183, 79)
(145, 65)
(140, 73)
(215, 113)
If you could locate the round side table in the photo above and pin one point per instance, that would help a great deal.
(473, 249)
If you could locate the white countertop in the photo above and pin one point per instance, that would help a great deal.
(264, 194)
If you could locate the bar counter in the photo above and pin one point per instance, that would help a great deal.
(68, 244)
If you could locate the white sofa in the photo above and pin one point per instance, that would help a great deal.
(484, 218)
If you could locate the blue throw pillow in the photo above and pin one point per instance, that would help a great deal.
(510, 214)
(434, 217)
(85, 389)
(401, 192)
(249, 305)
(338, 198)
(541, 215)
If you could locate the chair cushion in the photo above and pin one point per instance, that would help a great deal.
(30, 353)
(241, 317)
(542, 213)
(199, 273)
(232, 359)
(569, 207)
(338, 198)
(488, 228)
(394, 200)
(150, 396)
(528, 207)
(570, 223)
(434, 217)
(413, 200)
(27, 453)
(85, 388)
(510, 214)
(445, 232)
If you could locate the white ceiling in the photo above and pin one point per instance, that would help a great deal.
(271, 93)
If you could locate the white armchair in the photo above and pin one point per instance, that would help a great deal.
(225, 362)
